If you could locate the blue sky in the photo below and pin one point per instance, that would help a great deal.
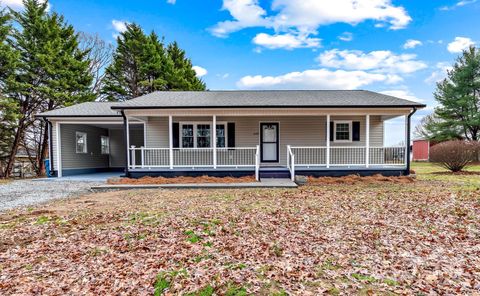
(396, 47)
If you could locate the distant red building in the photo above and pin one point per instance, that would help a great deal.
(421, 150)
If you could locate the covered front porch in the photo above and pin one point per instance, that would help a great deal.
(267, 143)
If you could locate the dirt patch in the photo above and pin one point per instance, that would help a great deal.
(181, 180)
(356, 179)
(461, 173)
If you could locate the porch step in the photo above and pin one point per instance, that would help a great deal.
(280, 174)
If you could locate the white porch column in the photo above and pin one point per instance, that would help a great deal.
(214, 141)
(367, 141)
(128, 142)
(328, 141)
(170, 140)
(59, 152)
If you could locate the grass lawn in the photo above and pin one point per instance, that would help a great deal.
(421, 238)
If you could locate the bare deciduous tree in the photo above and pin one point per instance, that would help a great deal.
(100, 55)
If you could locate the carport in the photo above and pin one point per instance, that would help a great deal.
(93, 150)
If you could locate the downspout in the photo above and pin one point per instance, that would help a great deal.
(125, 134)
(407, 171)
(50, 145)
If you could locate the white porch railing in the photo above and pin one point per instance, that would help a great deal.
(236, 157)
(148, 158)
(347, 156)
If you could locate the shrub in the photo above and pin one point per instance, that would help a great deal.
(454, 155)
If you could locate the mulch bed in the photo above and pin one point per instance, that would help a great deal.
(354, 179)
(181, 180)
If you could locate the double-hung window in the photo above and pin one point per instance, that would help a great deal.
(105, 144)
(81, 142)
(199, 135)
(343, 131)
(204, 136)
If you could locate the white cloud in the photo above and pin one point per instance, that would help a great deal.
(18, 4)
(246, 13)
(223, 76)
(13, 4)
(303, 18)
(346, 36)
(403, 94)
(310, 14)
(316, 79)
(412, 43)
(439, 73)
(200, 71)
(382, 61)
(287, 41)
(459, 44)
(171, 1)
(458, 4)
(119, 26)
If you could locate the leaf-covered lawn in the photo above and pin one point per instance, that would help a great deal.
(417, 238)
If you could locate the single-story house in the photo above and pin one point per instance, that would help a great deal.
(274, 133)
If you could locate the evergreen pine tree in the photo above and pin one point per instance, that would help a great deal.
(51, 71)
(141, 64)
(184, 77)
(457, 115)
(8, 109)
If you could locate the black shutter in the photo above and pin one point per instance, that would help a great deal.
(231, 134)
(331, 131)
(176, 134)
(356, 131)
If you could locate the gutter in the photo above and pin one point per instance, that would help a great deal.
(267, 106)
(50, 145)
(407, 171)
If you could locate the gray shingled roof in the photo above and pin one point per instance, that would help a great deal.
(240, 99)
(89, 109)
(264, 98)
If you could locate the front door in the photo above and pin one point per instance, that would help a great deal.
(269, 142)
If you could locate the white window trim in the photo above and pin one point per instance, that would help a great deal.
(108, 145)
(350, 130)
(83, 134)
(195, 123)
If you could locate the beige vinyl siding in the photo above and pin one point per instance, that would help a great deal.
(93, 158)
(376, 130)
(294, 130)
(71, 160)
(117, 148)
(157, 132)
(117, 145)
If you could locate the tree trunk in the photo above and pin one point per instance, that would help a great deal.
(13, 152)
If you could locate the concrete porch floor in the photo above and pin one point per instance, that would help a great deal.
(96, 177)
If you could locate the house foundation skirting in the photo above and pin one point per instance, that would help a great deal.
(268, 172)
